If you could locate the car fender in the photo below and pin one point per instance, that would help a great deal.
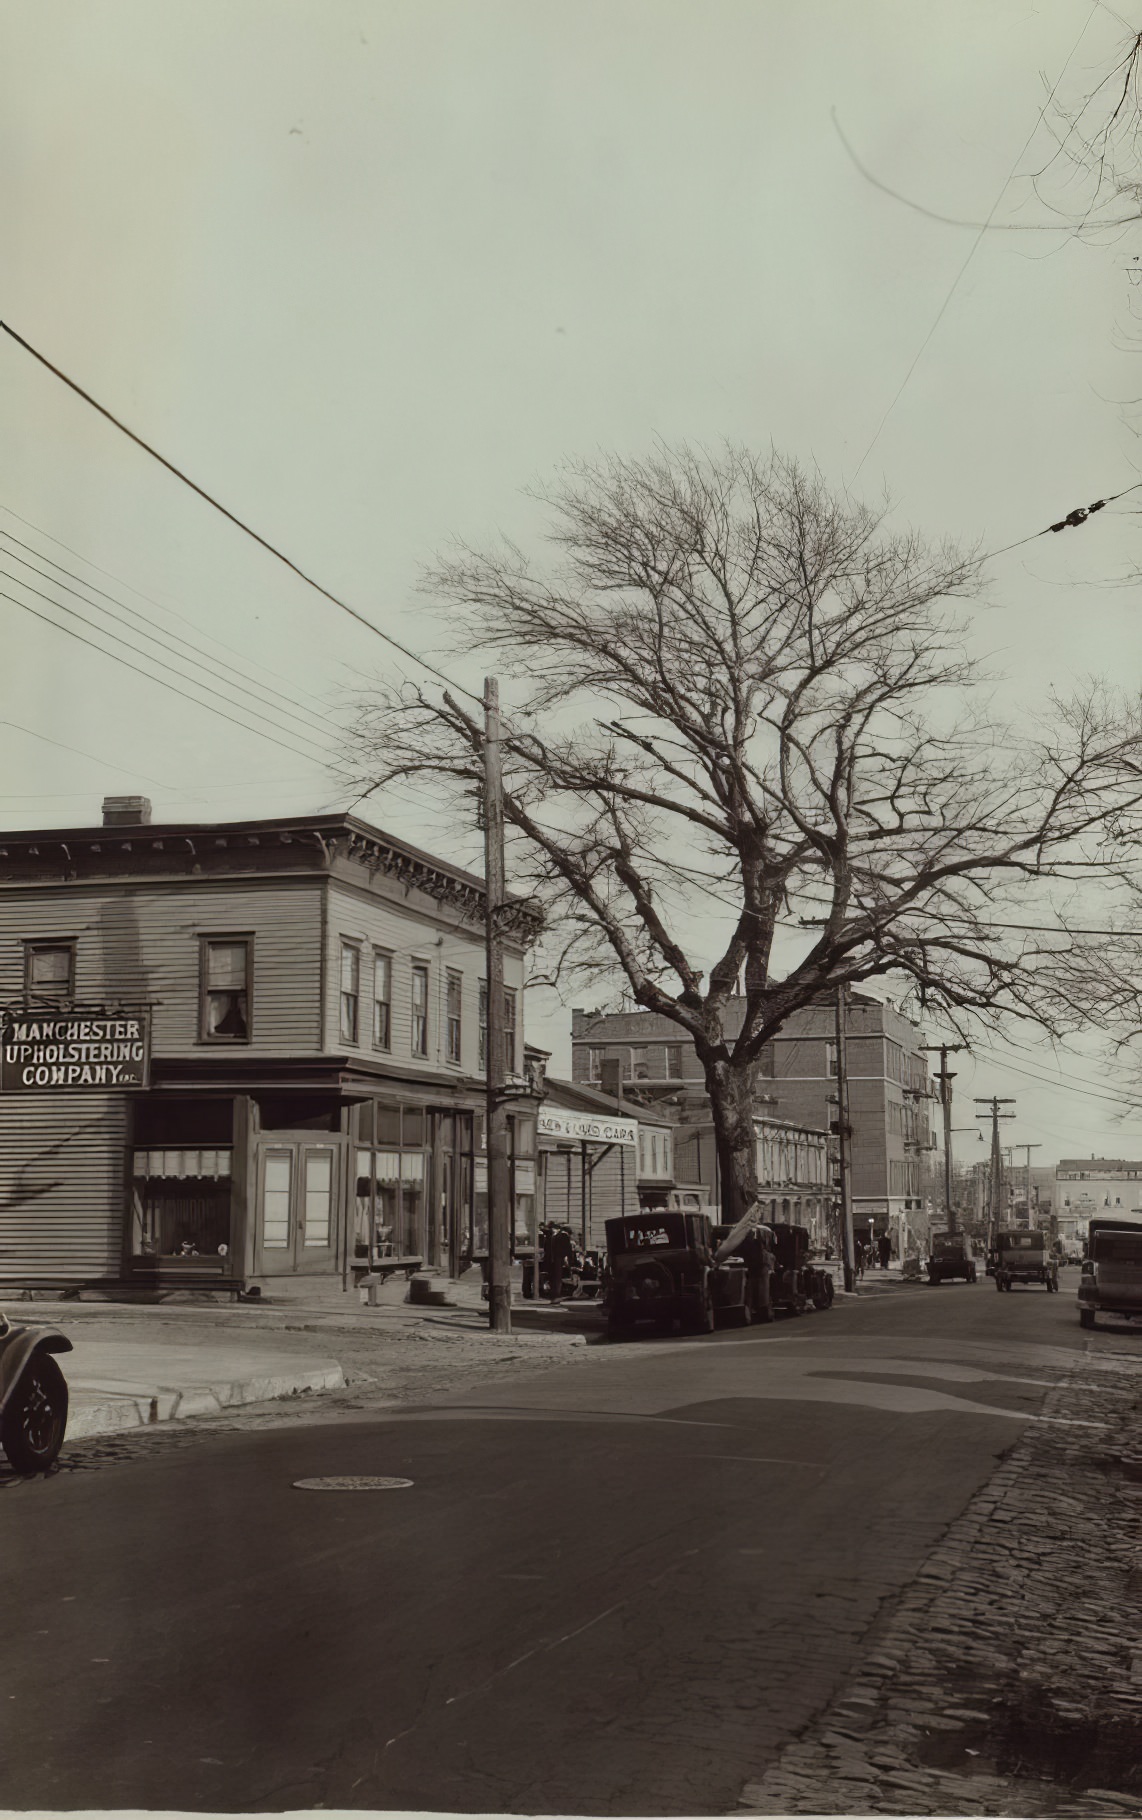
(19, 1347)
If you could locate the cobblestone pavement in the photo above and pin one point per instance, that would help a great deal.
(1007, 1679)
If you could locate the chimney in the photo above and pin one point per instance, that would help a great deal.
(126, 811)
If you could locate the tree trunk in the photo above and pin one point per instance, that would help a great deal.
(731, 1102)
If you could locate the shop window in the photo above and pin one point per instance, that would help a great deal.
(181, 1203)
(382, 1001)
(225, 964)
(390, 1203)
(420, 1010)
(49, 971)
(454, 1001)
(350, 992)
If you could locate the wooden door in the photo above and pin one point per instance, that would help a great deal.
(299, 1206)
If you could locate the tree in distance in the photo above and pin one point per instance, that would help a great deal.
(749, 761)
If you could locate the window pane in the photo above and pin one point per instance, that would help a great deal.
(226, 1014)
(350, 968)
(382, 1001)
(388, 1125)
(226, 966)
(413, 1127)
(49, 969)
(318, 1196)
(276, 1199)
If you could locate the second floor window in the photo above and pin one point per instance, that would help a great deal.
(455, 996)
(225, 1005)
(350, 992)
(420, 1011)
(483, 1025)
(509, 1031)
(49, 971)
(382, 1001)
(674, 1061)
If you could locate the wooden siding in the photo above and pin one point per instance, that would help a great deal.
(442, 945)
(140, 944)
(62, 1186)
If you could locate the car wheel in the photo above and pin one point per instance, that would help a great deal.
(33, 1424)
(745, 1315)
(1086, 1317)
(999, 1284)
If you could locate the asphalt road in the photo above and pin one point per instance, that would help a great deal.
(618, 1588)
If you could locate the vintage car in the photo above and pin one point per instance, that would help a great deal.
(661, 1268)
(779, 1274)
(1024, 1257)
(950, 1257)
(1111, 1281)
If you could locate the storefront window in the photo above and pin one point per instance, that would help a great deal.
(181, 1203)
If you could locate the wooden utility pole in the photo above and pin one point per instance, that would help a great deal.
(496, 1116)
(1027, 1164)
(943, 1050)
(844, 1136)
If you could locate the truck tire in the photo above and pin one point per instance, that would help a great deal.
(1086, 1317)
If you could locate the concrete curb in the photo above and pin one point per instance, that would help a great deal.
(116, 1405)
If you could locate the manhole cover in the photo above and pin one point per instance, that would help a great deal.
(346, 1483)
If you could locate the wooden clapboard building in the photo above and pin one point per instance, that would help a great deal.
(315, 997)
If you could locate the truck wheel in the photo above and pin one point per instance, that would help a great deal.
(745, 1315)
(1086, 1317)
(999, 1284)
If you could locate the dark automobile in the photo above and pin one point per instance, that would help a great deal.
(33, 1396)
(950, 1257)
(1111, 1282)
(779, 1274)
(1024, 1257)
(661, 1268)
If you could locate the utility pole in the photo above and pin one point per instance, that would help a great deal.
(943, 1050)
(1027, 1164)
(844, 1136)
(496, 1116)
(995, 1182)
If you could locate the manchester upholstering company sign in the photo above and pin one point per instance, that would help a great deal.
(586, 1127)
(74, 1050)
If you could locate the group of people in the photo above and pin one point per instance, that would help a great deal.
(869, 1252)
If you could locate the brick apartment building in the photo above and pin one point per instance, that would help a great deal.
(796, 1085)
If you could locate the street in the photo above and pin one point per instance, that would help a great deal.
(630, 1584)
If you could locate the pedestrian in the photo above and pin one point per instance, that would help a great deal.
(560, 1254)
(884, 1246)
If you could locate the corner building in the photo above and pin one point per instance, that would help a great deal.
(316, 1001)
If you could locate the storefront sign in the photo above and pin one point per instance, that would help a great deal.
(586, 1127)
(74, 1050)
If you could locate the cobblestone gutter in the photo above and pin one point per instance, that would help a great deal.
(1008, 1678)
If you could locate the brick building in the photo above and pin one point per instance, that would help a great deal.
(1087, 1187)
(796, 1085)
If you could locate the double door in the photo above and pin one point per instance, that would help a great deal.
(301, 1197)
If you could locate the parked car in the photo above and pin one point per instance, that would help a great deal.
(1024, 1257)
(661, 1268)
(950, 1257)
(1111, 1281)
(33, 1396)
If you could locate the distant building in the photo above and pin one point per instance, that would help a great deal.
(796, 1085)
(1086, 1187)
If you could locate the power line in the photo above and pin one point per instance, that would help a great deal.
(80, 753)
(234, 519)
(171, 612)
(1071, 522)
(955, 284)
(60, 607)
(127, 665)
(1064, 1083)
(202, 658)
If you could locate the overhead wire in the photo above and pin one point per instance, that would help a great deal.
(170, 641)
(162, 607)
(233, 519)
(310, 739)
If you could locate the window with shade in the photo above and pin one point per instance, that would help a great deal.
(225, 1004)
(350, 992)
(454, 1001)
(382, 1001)
(420, 1010)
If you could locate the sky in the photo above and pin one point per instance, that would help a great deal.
(367, 272)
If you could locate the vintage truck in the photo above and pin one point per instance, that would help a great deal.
(1111, 1280)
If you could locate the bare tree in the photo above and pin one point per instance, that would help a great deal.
(752, 761)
